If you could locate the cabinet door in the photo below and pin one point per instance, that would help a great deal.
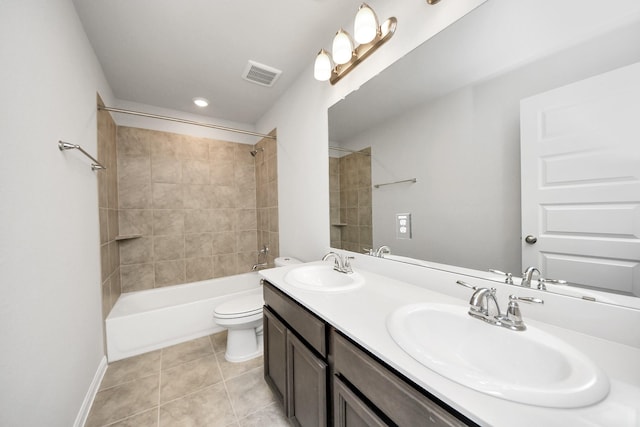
(275, 355)
(350, 411)
(306, 385)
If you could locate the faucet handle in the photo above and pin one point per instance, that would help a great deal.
(513, 318)
(466, 285)
(525, 299)
(347, 264)
(508, 280)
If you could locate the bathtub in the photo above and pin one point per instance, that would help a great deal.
(148, 320)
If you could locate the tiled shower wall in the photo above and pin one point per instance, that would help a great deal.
(267, 198)
(108, 205)
(355, 232)
(189, 206)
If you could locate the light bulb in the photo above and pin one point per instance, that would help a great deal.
(342, 50)
(366, 25)
(322, 67)
(200, 102)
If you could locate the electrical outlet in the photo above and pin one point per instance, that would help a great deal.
(403, 226)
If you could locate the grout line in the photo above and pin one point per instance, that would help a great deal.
(226, 390)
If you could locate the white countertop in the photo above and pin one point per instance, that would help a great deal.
(361, 314)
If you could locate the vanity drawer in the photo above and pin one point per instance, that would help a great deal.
(306, 324)
(396, 399)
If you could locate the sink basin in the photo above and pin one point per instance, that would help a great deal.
(323, 278)
(531, 366)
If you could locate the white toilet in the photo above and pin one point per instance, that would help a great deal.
(242, 316)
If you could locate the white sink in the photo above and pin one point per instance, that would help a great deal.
(323, 278)
(531, 366)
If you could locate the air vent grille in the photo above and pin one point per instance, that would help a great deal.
(261, 74)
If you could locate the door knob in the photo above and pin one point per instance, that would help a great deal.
(530, 239)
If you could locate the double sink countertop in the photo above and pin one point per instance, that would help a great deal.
(361, 314)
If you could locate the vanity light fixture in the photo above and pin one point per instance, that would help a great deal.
(367, 33)
(201, 102)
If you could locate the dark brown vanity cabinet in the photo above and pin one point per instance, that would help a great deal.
(339, 384)
(295, 358)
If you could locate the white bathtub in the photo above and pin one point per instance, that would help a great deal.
(148, 320)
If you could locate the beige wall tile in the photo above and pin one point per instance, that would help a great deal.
(169, 273)
(114, 256)
(134, 194)
(221, 173)
(194, 148)
(197, 196)
(273, 220)
(222, 219)
(166, 169)
(135, 221)
(112, 216)
(167, 196)
(137, 277)
(136, 251)
(224, 265)
(247, 241)
(246, 219)
(224, 243)
(245, 177)
(197, 220)
(244, 198)
(104, 228)
(221, 151)
(195, 172)
(198, 269)
(168, 221)
(131, 142)
(116, 287)
(167, 248)
(104, 261)
(223, 197)
(246, 260)
(198, 245)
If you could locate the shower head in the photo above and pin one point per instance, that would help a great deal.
(254, 152)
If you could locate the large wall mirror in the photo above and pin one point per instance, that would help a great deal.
(437, 136)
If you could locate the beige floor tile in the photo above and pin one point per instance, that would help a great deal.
(232, 370)
(219, 341)
(119, 402)
(249, 392)
(186, 352)
(145, 419)
(131, 368)
(208, 407)
(189, 377)
(271, 416)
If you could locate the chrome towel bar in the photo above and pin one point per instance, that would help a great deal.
(96, 165)
(396, 182)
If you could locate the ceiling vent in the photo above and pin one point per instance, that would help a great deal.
(260, 74)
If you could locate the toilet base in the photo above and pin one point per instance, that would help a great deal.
(243, 345)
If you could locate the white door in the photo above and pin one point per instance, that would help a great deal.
(580, 158)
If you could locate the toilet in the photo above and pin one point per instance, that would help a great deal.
(242, 316)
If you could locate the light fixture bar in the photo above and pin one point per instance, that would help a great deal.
(360, 53)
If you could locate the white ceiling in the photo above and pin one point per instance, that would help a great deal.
(166, 52)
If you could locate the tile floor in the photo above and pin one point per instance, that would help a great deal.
(189, 384)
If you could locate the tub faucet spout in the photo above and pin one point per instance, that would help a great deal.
(259, 266)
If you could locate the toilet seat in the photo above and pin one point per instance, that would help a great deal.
(246, 306)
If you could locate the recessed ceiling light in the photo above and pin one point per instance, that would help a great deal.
(201, 102)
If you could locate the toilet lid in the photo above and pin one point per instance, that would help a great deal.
(242, 306)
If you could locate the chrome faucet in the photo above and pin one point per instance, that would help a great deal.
(343, 266)
(483, 305)
(528, 275)
(383, 250)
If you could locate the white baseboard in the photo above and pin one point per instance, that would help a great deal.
(81, 419)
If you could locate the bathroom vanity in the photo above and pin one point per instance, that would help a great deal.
(330, 359)
(323, 378)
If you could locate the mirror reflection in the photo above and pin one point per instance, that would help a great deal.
(441, 134)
